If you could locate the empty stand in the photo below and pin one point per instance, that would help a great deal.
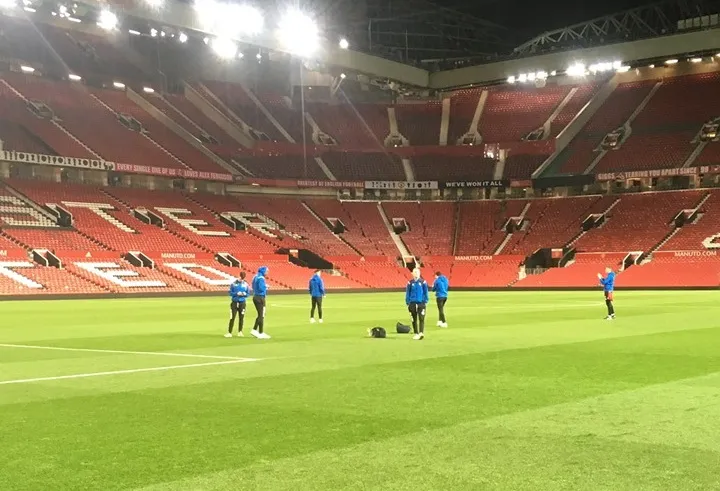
(347, 166)
(431, 226)
(582, 272)
(463, 104)
(420, 123)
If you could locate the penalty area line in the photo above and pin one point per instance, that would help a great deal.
(123, 372)
(123, 352)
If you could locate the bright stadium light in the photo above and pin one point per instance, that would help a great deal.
(74, 78)
(541, 75)
(27, 69)
(224, 48)
(182, 37)
(672, 61)
(228, 19)
(576, 70)
(511, 79)
(148, 90)
(342, 76)
(107, 20)
(344, 44)
(623, 69)
(298, 33)
(695, 60)
(118, 85)
(134, 32)
(7, 4)
(522, 78)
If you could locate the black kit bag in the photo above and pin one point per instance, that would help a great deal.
(402, 328)
(377, 332)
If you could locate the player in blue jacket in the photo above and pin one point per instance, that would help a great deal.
(259, 287)
(440, 287)
(239, 291)
(608, 284)
(317, 292)
(416, 298)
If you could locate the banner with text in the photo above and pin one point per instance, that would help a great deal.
(400, 185)
(643, 174)
(104, 165)
(496, 183)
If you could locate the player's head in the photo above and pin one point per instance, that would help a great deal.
(242, 275)
(416, 273)
(263, 271)
(608, 269)
(318, 272)
(438, 274)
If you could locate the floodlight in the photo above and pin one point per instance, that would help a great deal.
(134, 32)
(182, 37)
(651, 66)
(298, 33)
(107, 20)
(75, 78)
(541, 75)
(74, 19)
(511, 79)
(576, 70)
(27, 69)
(623, 69)
(148, 90)
(224, 48)
(29, 9)
(229, 20)
(531, 77)
(671, 62)
(617, 64)
(118, 85)
(522, 78)
(7, 4)
(342, 76)
(153, 33)
(696, 60)
(344, 44)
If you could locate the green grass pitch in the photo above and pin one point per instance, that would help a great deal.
(524, 391)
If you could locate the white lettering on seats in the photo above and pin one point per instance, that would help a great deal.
(113, 273)
(99, 210)
(712, 242)
(190, 223)
(261, 223)
(221, 278)
(6, 270)
(16, 212)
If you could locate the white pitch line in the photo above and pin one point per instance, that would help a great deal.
(121, 372)
(122, 352)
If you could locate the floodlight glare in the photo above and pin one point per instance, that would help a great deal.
(148, 90)
(7, 4)
(182, 37)
(118, 85)
(156, 4)
(107, 20)
(229, 20)
(27, 69)
(576, 70)
(511, 79)
(696, 60)
(671, 62)
(344, 44)
(342, 76)
(134, 32)
(224, 48)
(75, 78)
(623, 69)
(298, 33)
(522, 78)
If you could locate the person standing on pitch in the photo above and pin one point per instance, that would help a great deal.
(239, 291)
(416, 298)
(608, 284)
(317, 292)
(259, 288)
(440, 287)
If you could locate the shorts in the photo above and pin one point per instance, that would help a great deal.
(609, 296)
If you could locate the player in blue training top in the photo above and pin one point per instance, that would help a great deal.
(416, 298)
(440, 287)
(259, 288)
(239, 291)
(608, 284)
(317, 292)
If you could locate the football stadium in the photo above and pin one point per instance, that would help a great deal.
(327, 245)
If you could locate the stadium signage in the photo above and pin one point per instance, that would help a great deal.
(473, 258)
(496, 183)
(642, 174)
(329, 184)
(401, 185)
(56, 161)
(104, 165)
